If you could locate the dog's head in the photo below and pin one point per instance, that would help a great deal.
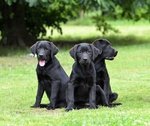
(108, 52)
(45, 51)
(84, 53)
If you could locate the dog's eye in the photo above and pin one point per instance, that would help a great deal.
(79, 52)
(38, 48)
(89, 52)
(46, 49)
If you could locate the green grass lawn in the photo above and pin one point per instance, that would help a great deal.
(129, 73)
(130, 77)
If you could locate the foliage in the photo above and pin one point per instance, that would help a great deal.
(34, 15)
(135, 9)
(39, 14)
(116, 9)
(102, 25)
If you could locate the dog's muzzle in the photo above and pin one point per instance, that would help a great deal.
(112, 57)
(41, 60)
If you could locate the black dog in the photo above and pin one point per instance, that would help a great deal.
(51, 76)
(82, 85)
(102, 76)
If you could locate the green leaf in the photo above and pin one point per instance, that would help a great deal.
(9, 2)
(32, 2)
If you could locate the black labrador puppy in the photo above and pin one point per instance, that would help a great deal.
(51, 76)
(102, 76)
(82, 85)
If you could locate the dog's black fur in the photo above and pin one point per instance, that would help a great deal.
(82, 85)
(102, 76)
(51, 76)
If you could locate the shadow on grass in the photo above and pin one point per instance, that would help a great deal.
(65, 44)
(11, 51)
(114, 39)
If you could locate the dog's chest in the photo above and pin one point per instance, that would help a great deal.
(44, 78)
(85, 78)
(85, 82)
(41, 72)
(85, 74)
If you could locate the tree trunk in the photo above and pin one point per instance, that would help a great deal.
(14, 32)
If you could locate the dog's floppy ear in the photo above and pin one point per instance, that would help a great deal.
(95, 51)
(73, 51)
(54, 49)
(34, 47)
(100, 42)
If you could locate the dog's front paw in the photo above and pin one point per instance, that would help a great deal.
(68, 109)
(35, 106)
(50, 107)
(92, 106)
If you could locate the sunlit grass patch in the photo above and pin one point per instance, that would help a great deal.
(126, 35)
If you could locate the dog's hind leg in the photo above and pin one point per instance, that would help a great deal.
(101, 96)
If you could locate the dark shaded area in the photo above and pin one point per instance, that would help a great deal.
(12, 24)
(21, 22)
(63, 44)
(114, 39)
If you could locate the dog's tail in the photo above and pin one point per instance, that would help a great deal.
(114, 104)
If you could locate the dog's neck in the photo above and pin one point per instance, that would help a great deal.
(85, 67)
(100, 57)
(100, 60)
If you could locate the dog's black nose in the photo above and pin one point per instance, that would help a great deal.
(116, 52)
(40, 55)
(85, 59)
